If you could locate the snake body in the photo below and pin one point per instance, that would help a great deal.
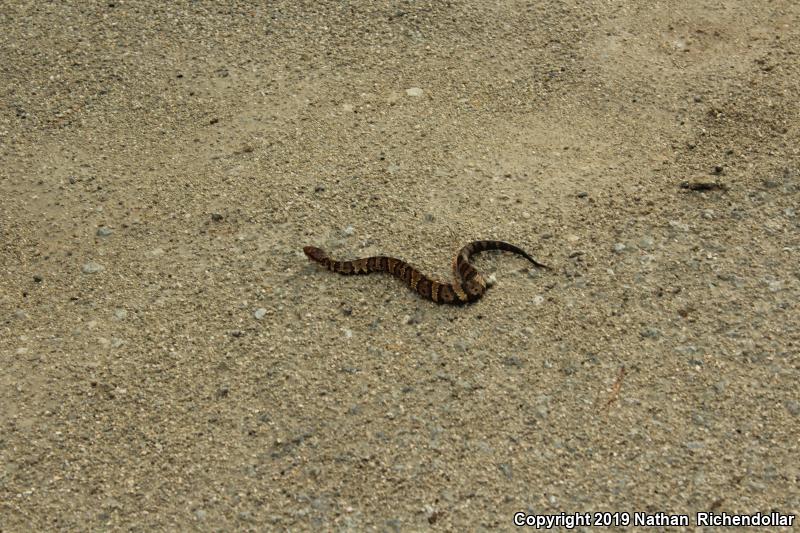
(468, 284)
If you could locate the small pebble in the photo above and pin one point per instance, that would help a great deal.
(647, 243)
(120, 314)
(104, 231)
(416, 318)
(582, 194)
(414, 91)
(678, 225)
(260, 313)
(651, 333)
(541, 410)
(216, 217)
(37, 278)
(619, 248)
(348, 231)
(686, 349)
(461, 345)
(92, 268)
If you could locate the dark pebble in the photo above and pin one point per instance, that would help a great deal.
(701, 186)
(512, 360)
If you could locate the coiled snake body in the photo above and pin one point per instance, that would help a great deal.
(468, 286)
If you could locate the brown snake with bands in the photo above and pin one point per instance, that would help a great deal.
(468, 286)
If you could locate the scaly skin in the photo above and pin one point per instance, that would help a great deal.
(468, 285)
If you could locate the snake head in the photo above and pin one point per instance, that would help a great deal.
(475, 287)
(314, 253)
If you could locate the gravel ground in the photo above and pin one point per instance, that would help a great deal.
(170, 360)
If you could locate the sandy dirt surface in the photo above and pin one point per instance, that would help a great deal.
(169, 359)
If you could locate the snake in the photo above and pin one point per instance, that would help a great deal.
(468, 284)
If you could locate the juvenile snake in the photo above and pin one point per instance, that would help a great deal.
(468, 284)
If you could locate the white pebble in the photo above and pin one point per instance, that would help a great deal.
(92, 268)
(678, 225)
